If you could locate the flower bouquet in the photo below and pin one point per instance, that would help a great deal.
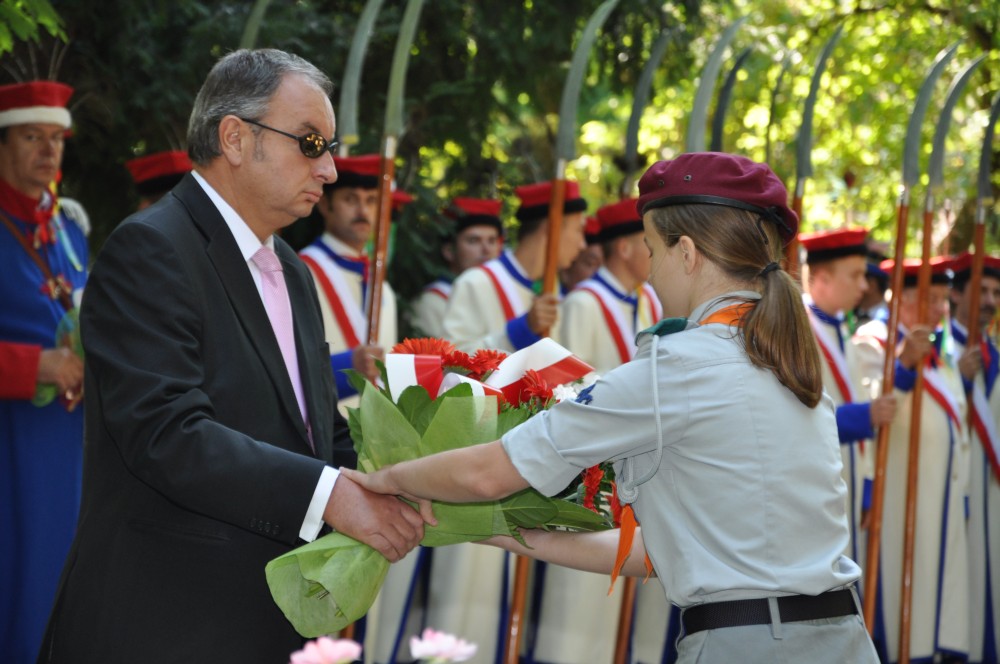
(432, 398)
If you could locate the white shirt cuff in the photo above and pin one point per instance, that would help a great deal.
(321, 496)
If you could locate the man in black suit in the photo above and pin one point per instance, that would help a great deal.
(209, 448)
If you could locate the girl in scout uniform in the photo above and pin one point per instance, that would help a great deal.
(724, 444)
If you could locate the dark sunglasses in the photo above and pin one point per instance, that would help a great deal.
(313, 145)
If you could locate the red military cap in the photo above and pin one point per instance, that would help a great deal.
(829, 245)
(361, 171)
(35, 101)
(592, 230)
(961, 266)
(535, 199)
(400, 199)
(469, 212)
(718, 178)
(618, 219)
(159, 171)
(940, 270)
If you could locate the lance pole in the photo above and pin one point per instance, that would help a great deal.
(911, 173)
(387, 172)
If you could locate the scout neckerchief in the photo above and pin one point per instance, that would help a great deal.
(28, 209)
(982, 418)
(733, 316)
(329, 267)
(505, 277)
(610, 300)
(440, 287)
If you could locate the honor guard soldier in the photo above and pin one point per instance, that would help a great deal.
(476, 236)
(836, 283)
(602, 315)
(495, 305)
(339, 264)
(940, 609)
(43, 251)
(585, 265)
(156, 174)
(725, 448)
(979, 368)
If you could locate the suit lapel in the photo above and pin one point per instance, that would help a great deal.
(225, 255)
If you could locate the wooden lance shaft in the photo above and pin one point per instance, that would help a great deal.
(522, 567)
(792, 250)
(913, 462)
(882, 441)
(625, 620)
(380, 242)
(975, 283)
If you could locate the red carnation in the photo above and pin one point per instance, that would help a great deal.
(456, 359)
(484, 362)
(424, 346)
(592, 485)
(616, 506)
(535, 388)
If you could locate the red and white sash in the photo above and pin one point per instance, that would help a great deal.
(985, 427)
(350, 319)
(938, 390)
(506, 289)
(655, 308)
(835, 357)
(622, 331)
(441, 288)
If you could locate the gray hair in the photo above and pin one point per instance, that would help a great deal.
(242, 84)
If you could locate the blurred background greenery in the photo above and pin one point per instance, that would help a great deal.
(485, 80)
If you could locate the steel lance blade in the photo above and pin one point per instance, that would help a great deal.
(566, 138)
(803, 146)
(725, 95)
(347, 110)
(695, 141)
(252, 27)
(639, 102)
(390, 138)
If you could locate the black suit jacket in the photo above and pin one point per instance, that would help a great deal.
(197, 467)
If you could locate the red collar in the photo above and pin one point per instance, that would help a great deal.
(29, 210)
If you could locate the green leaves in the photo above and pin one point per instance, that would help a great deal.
(333, 581)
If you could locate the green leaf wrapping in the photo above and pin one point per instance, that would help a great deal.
(327, 584)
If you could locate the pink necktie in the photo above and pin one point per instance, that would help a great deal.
(279, 311)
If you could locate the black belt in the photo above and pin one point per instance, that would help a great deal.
(792, 608)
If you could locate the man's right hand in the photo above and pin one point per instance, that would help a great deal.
(60, 367)
(363, 360)
(916, 345)
(543, 314)
(385, 523)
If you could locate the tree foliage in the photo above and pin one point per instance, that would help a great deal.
(485, 80)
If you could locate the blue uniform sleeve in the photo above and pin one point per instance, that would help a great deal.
(866, 495)
(519, 333)
(905, 378)
(339, 362)
(854, 422)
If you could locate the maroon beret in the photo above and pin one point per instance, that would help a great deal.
(718, 178)
(940, 270)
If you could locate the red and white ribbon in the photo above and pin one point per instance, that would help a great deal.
(553, 363)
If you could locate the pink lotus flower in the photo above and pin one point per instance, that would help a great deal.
(325, 650)
(439, 647)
